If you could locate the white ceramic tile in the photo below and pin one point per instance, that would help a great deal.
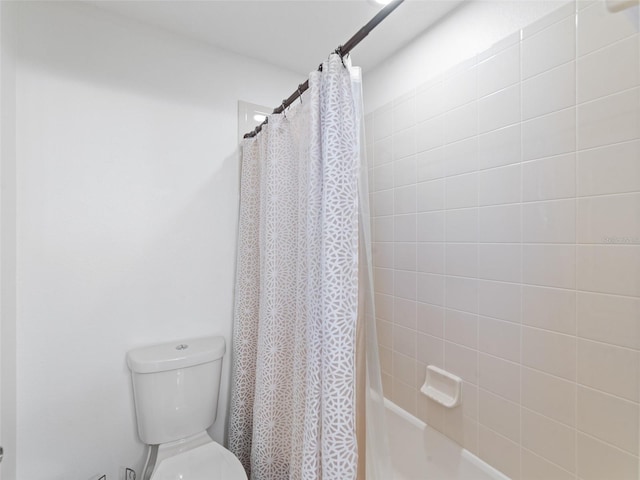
(461, 123)
(430, 134)
(610, 169)
(499, 147)
(405, 200)
(549, 308)
(461, 225)
(430, 258)
(431, 319)
(608, 418)
(431, 227)
(499, 109)
(549, 439)
(499, 46)
(549, 48)
(567, 9)
(500, 415)
(500, 300)
(599, 27)
(550, 396)
(383, 151)
(382, 122)
(499, 261)
(534, 467)
(608, 368)
(404, 343)
(461, 294)
(609, 318)
(404, 313)
(500, 452)
(430, 101)
(404, 113)
(386, 362)
(383, 202)
(404, 171)
(611, 119)
(549, 178)
(499, 71)
(460, 85)
(549, 352)
(549, 265)
(610, 70)
(404, 143)
(404, 256)
(461, 259)
(609, 269)
(404, 228)
(430, 164)
(404, 284)
(383, 177)
(549, 222)
(499, 224)
(500, 377)
(430, 350)
(430, 195)
(404, 396)
(383, 254)
(383, 229)
(387, 385)
(598, 460)
(470, 407)
(461, 328)
(368, 128)
(549, 135)
(431, 288)
(462, 430)
(461, 191)
(549, 92)
(499, 338)
(461, 157)
(461, 361)
(384, 280)
(384, 303)
(499, 185)
(609, 219)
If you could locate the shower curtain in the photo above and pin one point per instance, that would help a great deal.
(294, 403)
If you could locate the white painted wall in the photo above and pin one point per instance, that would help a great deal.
(127, 188)
(468, 30)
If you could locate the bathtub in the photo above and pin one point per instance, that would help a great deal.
(418, 452)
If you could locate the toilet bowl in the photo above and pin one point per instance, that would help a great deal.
(196, 458)
(175, 387)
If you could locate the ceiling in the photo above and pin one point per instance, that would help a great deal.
(296, 34)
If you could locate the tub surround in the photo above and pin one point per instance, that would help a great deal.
(505, 194)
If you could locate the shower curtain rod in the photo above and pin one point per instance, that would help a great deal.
(342, 50)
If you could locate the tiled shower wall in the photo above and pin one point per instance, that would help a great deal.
(506, 224)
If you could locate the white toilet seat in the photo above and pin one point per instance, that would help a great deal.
(210, 461)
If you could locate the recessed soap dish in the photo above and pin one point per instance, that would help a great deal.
(442, 387)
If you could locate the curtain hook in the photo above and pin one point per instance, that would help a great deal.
(284, 109)
(339, 52)
(300, 92)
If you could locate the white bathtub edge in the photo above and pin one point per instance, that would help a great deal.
(481, 464)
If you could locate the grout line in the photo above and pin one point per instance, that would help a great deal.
(575, 253)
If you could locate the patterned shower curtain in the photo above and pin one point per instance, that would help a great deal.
(293, 405)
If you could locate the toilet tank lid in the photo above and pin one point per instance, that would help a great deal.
(175, 355)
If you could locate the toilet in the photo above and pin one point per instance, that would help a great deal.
(175, 389)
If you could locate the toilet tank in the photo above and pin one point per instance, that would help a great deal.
(175, 387)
